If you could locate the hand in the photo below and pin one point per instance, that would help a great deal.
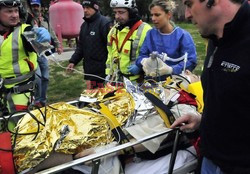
(70, 67)
(107, 79)
(155, 67)
(59, 50)
(188, 123)
(42, 34)
(163, 56)
(84, 153)
(134, 69)
(164, 69)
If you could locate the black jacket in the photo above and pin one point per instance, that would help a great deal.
(92, 46)
(225, 132)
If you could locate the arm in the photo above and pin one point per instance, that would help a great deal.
(108, 70)
(26, 44)
(145, 50)
(105, 28)
(188, 123)
(186, 46)
(42, 35)
(57, 43)
(78, 55)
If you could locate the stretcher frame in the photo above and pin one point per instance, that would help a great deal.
(95, 158)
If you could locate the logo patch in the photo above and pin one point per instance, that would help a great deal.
(92, 33)
(229, 67)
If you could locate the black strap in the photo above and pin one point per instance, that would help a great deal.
(18, 89)
(157, 102)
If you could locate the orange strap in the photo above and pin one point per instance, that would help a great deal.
(131, 31)
(5, 35)
(31, 65)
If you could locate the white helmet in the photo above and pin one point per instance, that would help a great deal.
(122, 4)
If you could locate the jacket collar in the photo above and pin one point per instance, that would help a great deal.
(92, 18)
(130, 23)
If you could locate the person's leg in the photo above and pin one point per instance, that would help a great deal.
(208, 167)
(44, 66)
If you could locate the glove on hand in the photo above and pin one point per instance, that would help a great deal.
(42, 34)
(134, 69)
(107, 78)
(155, 67)
(162, 56)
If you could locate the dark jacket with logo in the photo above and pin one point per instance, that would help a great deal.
(225, 132)
(92, 46)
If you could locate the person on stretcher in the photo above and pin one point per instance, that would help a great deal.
(144, 122)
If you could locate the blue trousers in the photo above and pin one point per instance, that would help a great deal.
(42, 79)
(208, 167)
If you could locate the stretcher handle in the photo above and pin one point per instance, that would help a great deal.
(174, 151)
(95, 168)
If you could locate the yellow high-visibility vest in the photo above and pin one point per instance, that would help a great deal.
(130, 49)
(15, 63)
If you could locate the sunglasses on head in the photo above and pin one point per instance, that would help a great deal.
(10, 3)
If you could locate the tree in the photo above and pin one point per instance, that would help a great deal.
(143, 9)
(179, 14)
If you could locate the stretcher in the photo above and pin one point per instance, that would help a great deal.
(95, 158)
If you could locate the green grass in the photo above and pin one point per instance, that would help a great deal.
(64, 86)
(67, 87)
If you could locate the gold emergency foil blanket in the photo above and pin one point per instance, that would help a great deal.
(86, 129)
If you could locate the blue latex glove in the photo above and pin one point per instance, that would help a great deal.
(42, 34)
(134, 69)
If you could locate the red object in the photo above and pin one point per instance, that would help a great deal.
(196, 143)
(6, 158)
(131, 31)
(21, 107)
(187, 98)
(66, 18)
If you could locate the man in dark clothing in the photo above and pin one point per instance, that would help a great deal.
(225, 121)
(92, 45)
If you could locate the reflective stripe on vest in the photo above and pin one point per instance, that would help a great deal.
(15, 65)
(136, 42)
(15, 43)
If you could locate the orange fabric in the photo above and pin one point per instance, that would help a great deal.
(31, 65)
(6, 34)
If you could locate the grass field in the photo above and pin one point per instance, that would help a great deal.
(199, 43)
(67, 87)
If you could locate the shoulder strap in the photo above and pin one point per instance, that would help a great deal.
(115, 127)
(131, 31)
(162, 109)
